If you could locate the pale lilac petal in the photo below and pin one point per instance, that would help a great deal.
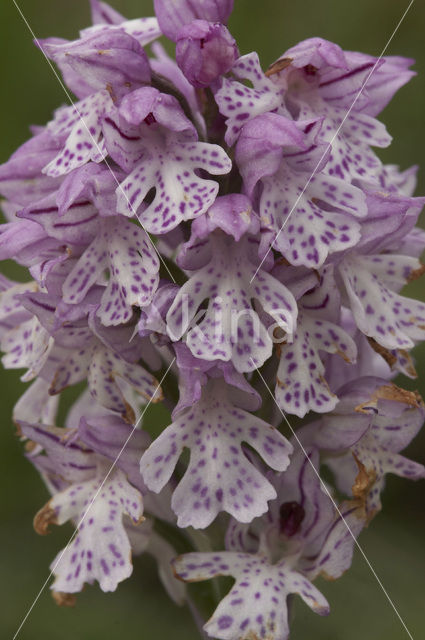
(263, 142)
(78, 226)
(231, 328)
(16, 237)
(104, 368)
(180, 194)
(26, 346)
(80, 126)
(239, 103)
(256, 605)
(107, 59)
(165, 66)
(219, 476)
(377, 461)
(21, 180)
(392, 320)
(118, 441)
(101, 550)
(126, 251)
(166, 110)
(386, 80)
(71, 460)
(103, 13)
(36, 404)
(302, 230)
(144, 30)
(336, 550)
(172, 16)
(164, 553)
(317, 52)
(301, 384)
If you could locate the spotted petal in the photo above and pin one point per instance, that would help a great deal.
(27, 346)
(101, 550)
(301, 229)
(126, 251)
(394, 321)
(36, 404)
(180, 194)
(256, 605)
(231, 328)
(352, 157)
(240, 103)
(219, 476)
(301, 385)
(376, 462)
(80, 126)
(104, 370)
(374, 421)
(144, 30)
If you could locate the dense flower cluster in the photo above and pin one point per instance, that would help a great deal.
(230, 235)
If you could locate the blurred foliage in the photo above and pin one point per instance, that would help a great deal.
(394, 542)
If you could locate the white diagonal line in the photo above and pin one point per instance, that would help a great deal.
(163, 377)
(333, 137)
(58, 78)
(170, 365)
(326, 490)
(92, 502)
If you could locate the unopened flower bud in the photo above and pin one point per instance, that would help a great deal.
(205, 51)
(174, 14)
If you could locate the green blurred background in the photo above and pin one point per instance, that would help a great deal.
(394, 544)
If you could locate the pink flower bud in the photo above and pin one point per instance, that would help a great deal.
(205, 51)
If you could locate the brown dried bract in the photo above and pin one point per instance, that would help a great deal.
(416, 273)
(343, 355)
(325, 383)
(18, 428)
(30, 445)
(111, 91)
(283, 262)
(64, 599)
(410, 367)
(363, 482)
(53, 389)
(280, 383)
(389, 357)
(328, 577)
(158, 396)
(43, 519)
(393, 393)
(129, 416)
(278, 66)
(278, 350)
